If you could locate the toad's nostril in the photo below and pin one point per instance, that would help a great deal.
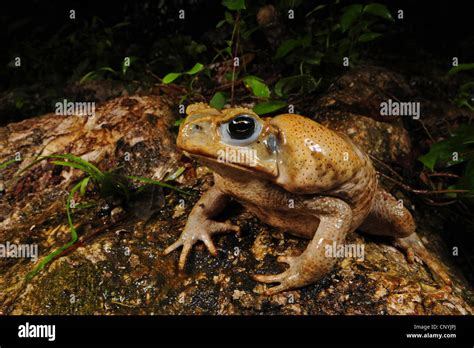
(197, 127)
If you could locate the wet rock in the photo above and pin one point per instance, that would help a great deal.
(361, 90)
(118, 266)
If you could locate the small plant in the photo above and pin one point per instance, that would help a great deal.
(329, 38)
(311, 55)
(453, 152)
(465, 95)
(240, 30)
(101, 72)
(108, 184)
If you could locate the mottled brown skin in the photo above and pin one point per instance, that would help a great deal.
(305, 179)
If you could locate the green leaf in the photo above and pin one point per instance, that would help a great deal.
(220, 23)
(159, 183)
(228, 17)
(313, 58)
(175, 175)
(109, 69)
(343, 47)
(286, 47)
(268, 107)
(173, 76)
(85, 205)
(305, 83)
(351, 13)
(466, 182)
(89, 76)
(258, 87)
(120, 25)
(378, 10)
(289, 45)
(463, 102)
(366, 37)
(74, 161)
(195, 69)
(234, 4)
(429, 160)
(193, 49)
(247, 33)
(7, 163)
(467, 88)
(71, 165)
(59, 250)
(183, 99)
(442, 152)
(461, 67)
(84, 183)
(218, 100)
(88, 167)
(19, 103)
(317, 8)
(465, 95)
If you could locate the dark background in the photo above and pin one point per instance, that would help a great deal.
(440, 29)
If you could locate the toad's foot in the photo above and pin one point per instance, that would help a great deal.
(413, 247)
(199, 230)
(294, 277)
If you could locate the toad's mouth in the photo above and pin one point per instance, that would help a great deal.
(225, 166)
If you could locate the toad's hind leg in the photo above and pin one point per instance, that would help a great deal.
(390, 218)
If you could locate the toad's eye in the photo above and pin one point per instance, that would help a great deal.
(241, 127)
(241, 130)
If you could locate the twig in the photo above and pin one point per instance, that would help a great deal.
(386, 166)
(229, 85)
(124, 304)
(424, 192)
(431, 202)
(427, 131)
(153, 74)
(237, 30)
(449, 175)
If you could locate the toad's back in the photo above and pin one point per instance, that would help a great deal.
(315, 159)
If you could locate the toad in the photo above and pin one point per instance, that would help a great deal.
(294, 174)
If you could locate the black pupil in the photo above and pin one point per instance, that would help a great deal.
(241, 127)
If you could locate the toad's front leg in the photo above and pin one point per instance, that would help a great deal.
(200, 227)
(335, 221)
